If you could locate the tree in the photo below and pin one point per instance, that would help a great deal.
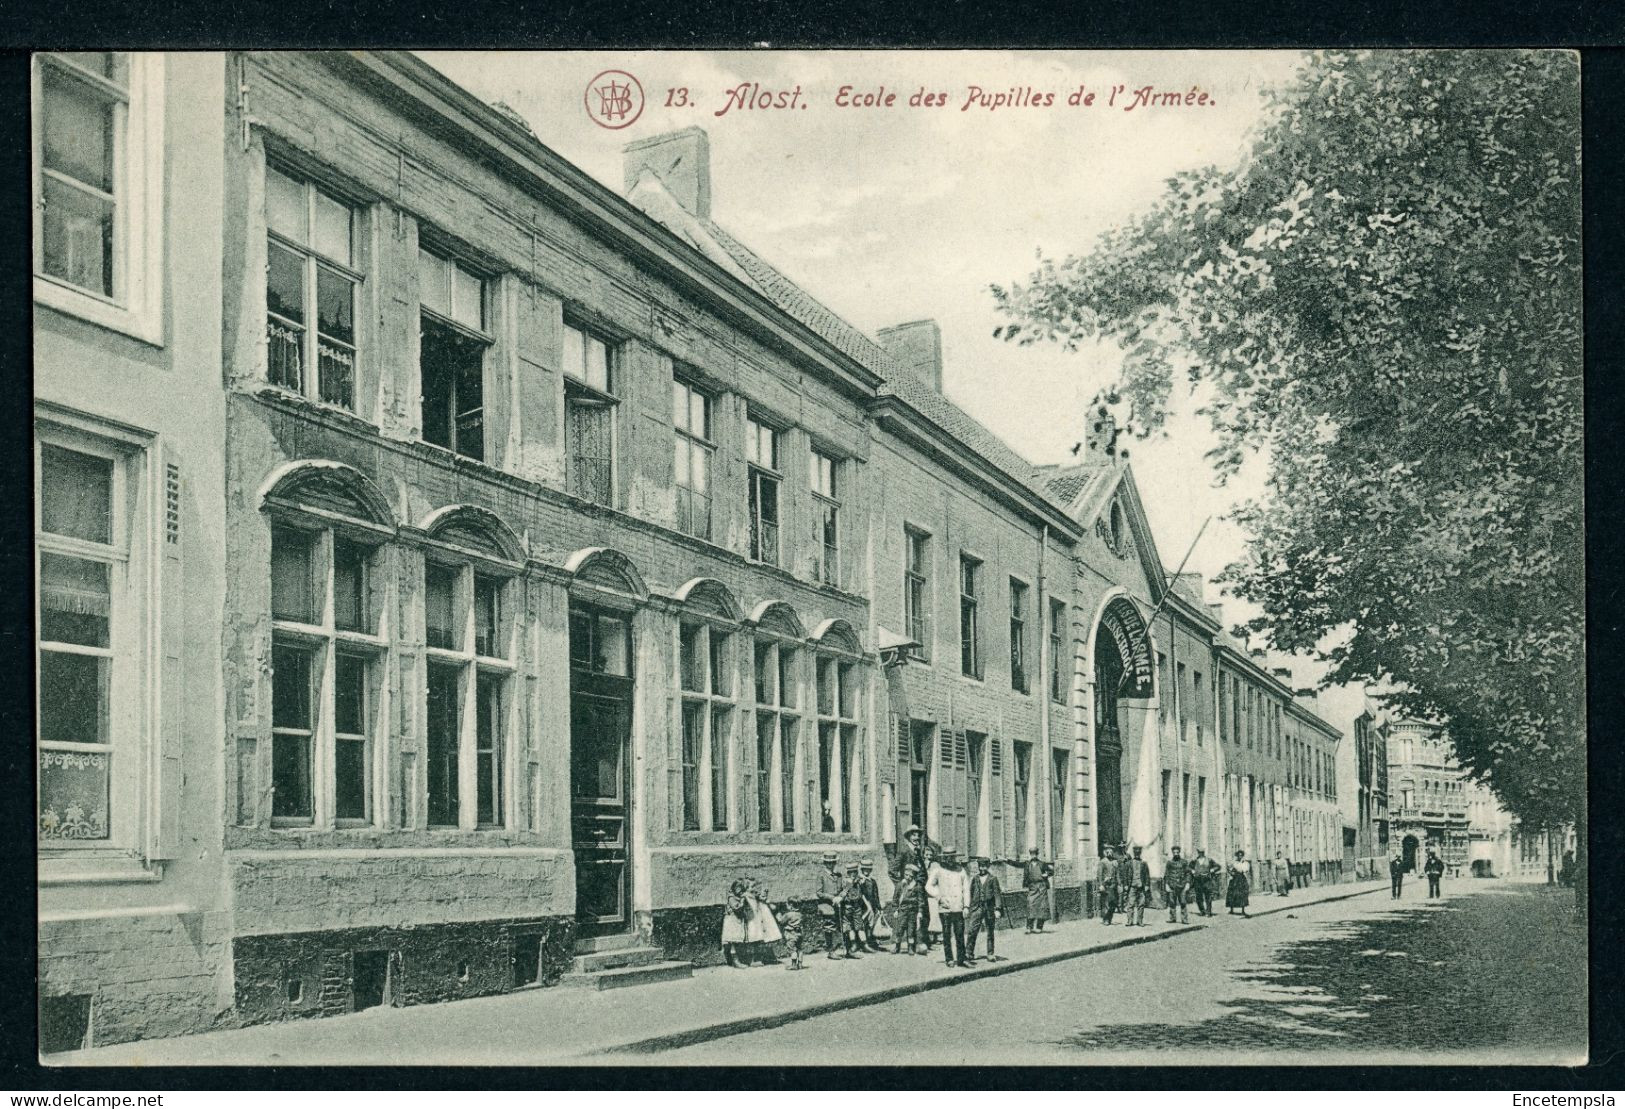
(1384, 299)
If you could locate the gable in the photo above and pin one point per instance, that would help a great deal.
(1118, 540)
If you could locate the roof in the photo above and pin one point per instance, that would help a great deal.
(898, 381)
(1066, 482)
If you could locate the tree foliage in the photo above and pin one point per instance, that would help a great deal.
(1385, 299)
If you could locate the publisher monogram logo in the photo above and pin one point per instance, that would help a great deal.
(614, 99)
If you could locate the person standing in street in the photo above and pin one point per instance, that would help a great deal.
(1035, 878)
(1281, 874)
(871, 902)
(1176, 885)
(915, 852)
(1205, 876)
(852, 913)
(831, 893)
(1139, 889)
(1434, 869)
(906, 912)
(1396, 877)
(1238, 886)
(1110, 893)
(949, 892)
(986, 907)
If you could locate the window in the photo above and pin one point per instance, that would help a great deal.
(976, 752)
(691, 420)
(1018, 636)
(920, 743)
(762, 455)
(706, 682)
(1179, 695)
(777, 733)
(827, 513)
(466, 638)
(310, 287)
(98, 188)
(970, 648)
(1057, 652)
(1059, 781)
(1165, 695)
(840, 760)
(917, 590)
(326, 661)
(1024, 785)
(589, 416)
(88, 649)
(451, 355)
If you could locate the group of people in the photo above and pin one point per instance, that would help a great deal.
(1432, 870)
(1126, 885)
(934, 897)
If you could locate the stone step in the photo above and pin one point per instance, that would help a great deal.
(629, 976)
(593, 961)
(617, 942)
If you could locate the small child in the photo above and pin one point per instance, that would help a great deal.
(906, 927)
(790, 925)
(733, 922)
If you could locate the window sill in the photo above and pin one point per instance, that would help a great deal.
(144, 326)
(97, 869)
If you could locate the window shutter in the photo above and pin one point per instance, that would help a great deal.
(674, 762)
(166, 813)
(995, 796)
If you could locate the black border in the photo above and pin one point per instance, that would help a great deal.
(649, 24)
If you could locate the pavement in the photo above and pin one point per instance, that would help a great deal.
(615, 1027)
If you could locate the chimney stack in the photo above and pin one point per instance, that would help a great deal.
(682, 161)
(1100, 438)
(918, 347)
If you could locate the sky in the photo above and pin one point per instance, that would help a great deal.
(896, 213)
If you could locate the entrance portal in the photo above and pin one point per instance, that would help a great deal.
(600, 739)
(1122, 672)
(1409, 847)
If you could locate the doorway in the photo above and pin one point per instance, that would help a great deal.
(1409, 846)
(1108, 740)
(369, 979)
(600, 742)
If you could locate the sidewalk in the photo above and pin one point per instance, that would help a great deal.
(582, 1026)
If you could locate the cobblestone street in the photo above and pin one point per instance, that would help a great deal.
(1490, 972)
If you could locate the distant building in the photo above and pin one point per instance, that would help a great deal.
(1365, 804)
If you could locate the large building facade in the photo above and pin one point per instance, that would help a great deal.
(474, 570)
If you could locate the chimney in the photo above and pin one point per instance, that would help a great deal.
(918, 346)
(1100, 437)
(1217, 612)
(682, 161)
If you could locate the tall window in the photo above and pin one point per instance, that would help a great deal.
(840, 760)
(920, 741)
(451, 362)
(777, 733)
(917, 590)
(970, 647)
(975, 769)
(1060, 781)
(97, 183)
(691, 420)
(326, 671)
(1180, 694)
(1057, 651)
(1165, 693)
(706, 679)
(762, 454)
(589, 415)
(466, 634)
(827, 513)
(1018, 636)
(310, 287)
(1024, 785)
(88, 648)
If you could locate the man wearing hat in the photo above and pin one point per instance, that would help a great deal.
(852, 907)
(949, 892)
(1109, 890)
(1205, 874)
(914, 851)
(1139, 888)
(831, 890)
(1176, 884)
(870, 889)
(1035, 876)
(986, 907)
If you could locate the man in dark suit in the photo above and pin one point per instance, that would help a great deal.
(986, 907)
(1434, 869)
(1396, 877)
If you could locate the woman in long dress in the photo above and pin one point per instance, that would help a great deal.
(735, 918)
(1239, 885)
(760, 927)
